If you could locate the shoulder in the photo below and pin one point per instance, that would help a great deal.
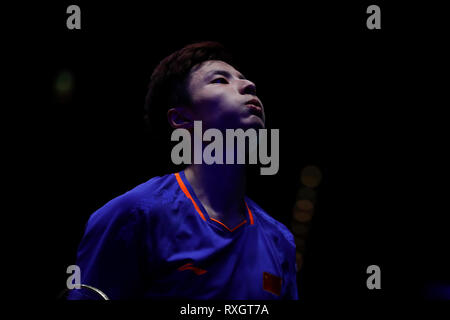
(271, 226)
(140, 201)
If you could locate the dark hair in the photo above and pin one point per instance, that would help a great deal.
(167, 86)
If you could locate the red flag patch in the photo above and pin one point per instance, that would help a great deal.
(271, 283)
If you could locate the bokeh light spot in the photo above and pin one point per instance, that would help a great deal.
(64, 84)
(306, 193)
(300, 229)
(300, 243)
(303, 210)
(311, 176)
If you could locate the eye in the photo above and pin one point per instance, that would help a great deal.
(220, 80)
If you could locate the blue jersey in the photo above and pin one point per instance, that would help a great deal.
(157, 241)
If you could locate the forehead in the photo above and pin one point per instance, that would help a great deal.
(205, 68)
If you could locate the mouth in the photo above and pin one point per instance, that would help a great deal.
(255, 107)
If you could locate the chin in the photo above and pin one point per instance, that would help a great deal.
(253, 123)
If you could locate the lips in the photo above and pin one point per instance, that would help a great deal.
(255, 107)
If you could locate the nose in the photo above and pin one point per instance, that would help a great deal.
(247, 87)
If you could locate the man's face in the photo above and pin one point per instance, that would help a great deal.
(222, 98)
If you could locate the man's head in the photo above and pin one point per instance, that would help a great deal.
(199, 82)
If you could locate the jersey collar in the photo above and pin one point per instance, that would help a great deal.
(190, 194)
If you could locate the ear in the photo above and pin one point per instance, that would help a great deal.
(180, 117)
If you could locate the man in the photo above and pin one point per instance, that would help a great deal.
(191, 234)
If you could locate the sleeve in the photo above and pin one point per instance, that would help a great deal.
(291, 292)
(110, 253)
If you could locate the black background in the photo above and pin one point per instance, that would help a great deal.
(365, 106)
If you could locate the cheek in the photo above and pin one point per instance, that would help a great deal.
(217, 96)
(213, 103)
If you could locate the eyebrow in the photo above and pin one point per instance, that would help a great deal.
(223, 73)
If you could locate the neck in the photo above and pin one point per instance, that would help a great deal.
(220, 188)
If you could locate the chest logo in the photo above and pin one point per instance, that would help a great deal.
(190, 266)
